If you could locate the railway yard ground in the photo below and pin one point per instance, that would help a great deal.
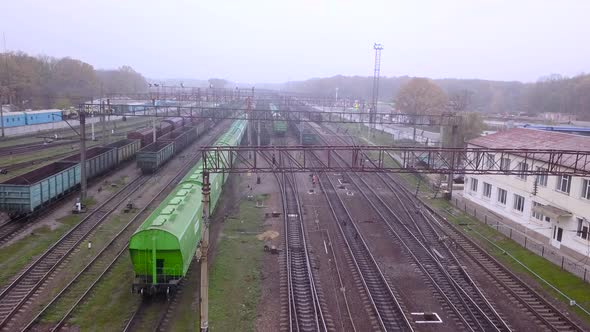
(294, 252)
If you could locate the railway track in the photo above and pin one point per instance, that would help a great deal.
(305, 308)
(16, 294)
(547, 314)
(456, 287)
(78, 289)
(432, 228)
(386, 308)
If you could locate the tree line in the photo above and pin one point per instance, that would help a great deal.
(554, 93)
(29, 82)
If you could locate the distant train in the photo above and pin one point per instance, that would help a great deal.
(17, 119)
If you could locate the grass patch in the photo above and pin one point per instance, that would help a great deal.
(569, 284)
(15, 256)
(234, 287)
(111, 302)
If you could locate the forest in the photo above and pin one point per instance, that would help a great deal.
(29, 82)
(554, 93)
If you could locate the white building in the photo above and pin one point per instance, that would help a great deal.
(554, 209)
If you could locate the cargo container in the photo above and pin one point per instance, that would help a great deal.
(98, 160)
(29, 192)
(126, 149)
(153, 156)
(145, 135)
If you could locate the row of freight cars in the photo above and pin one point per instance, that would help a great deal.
(17, 119)
(163, 247)
(30, 192)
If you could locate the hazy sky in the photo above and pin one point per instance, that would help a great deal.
(276, 41)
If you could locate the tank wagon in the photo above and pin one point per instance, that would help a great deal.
(163, 247)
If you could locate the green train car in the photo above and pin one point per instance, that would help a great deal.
(163, 247)
(279, 125)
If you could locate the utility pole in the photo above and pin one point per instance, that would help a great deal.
(82, 117)
(376, 71)
(154, 121)
(204, 293)
(2, 113)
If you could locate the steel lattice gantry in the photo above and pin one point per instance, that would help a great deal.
(302, 115)
(394, 159)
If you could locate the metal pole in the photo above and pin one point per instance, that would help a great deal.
(103, 122)
(154, 121)
(258, 134)
(2, 114)
(453, 138)
(82, 116)
(204, 293)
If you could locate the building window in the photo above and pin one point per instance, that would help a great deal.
(522, 169)
(542, 178)
(564, 183)
(586, 189)
(535, 214)
(518, 203)
(474, 185)
(583, 229)
(505, 164)
(502, 196)
(490, 161)
(487, 190)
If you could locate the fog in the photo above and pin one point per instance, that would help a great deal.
(276, 41)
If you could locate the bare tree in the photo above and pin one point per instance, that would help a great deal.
(460, 100)
(421, 96)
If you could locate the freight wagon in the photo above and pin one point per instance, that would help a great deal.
(153, 156)
(145, 135)
(31, 191)
(163, 247)
(181, 138)
(174, 122)
(126, 149)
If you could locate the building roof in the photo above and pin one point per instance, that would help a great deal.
(523, 138)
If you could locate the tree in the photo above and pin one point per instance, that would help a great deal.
(460, 100)
(421, 96)
(472, 126)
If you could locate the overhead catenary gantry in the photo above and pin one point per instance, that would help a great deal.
(294, 114)
(394, 159)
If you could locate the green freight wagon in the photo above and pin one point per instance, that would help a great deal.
(31, 191)
(163, 247)
(153, 156)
